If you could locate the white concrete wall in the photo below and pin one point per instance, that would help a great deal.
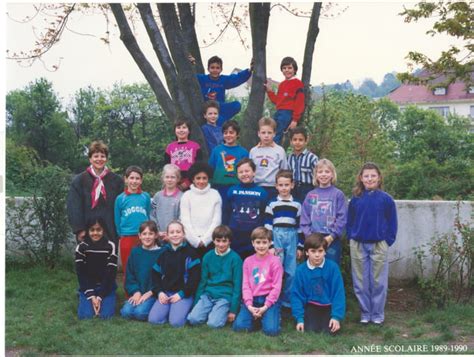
(418, 223)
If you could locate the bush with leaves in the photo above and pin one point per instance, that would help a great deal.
(37, 229)
(453, 256)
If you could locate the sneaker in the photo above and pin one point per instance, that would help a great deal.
(364, 321)
(378, 323)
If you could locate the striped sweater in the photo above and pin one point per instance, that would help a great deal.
(96, 267)
(284, 213)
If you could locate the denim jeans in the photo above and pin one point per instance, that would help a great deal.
(334, 251)
(285, 241)
(283, 120)
(270, 319)
(86, 311)
(174, 313)
(214, 311)
(137, 312)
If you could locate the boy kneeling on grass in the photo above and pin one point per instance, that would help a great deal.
(318, 301)
(218, 295)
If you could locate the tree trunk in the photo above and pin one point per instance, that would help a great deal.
(146, 68)
(191, 101)
(313, 31)
(259, 18)
(187, 20)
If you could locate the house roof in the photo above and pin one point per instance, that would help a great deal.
(413, 93)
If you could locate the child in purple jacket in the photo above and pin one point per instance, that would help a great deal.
(325, 210)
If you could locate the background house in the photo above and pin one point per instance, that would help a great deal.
(454, 99)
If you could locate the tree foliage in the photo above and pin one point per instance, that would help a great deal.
(35, 119)
(455, 63)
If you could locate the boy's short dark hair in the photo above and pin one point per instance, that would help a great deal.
(182, 121)
(299, 130)
(198, 167)
(210, 104)
(315, 241)
(214, 59)
(231, 124)
(151, 225)
(133, 168)
(267, 121)
(261, 233)
(287, 61)
(222, 231)
(284, 174)
(249, 161)
(98, 146)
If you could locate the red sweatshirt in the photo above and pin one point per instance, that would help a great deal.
(290, 96)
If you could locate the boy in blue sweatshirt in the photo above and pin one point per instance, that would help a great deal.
(212, 132)
(218, 294)
(246, 205)
(132, 208)
(213, 86)
(318, 301)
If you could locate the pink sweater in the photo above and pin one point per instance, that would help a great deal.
(262, 276)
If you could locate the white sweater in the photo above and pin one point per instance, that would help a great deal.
(200, 213)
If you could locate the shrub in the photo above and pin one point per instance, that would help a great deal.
(454, 255)
(37, 226)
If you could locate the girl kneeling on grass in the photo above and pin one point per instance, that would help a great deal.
(175, 278)
(138, 283)
(96, 267)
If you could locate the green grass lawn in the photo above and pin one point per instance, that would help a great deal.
(41, 318)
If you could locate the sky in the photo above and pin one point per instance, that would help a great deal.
(361, 40)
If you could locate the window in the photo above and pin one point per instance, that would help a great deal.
(444, 111)
(439, 91)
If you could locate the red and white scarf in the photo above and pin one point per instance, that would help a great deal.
(98, 187)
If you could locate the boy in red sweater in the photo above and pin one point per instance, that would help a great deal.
(289, 100)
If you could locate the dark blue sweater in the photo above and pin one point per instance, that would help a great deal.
(372, 218)
(321, 286)
(247, 202)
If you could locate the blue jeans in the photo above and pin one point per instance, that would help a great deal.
(174, 313)
(137, 312)
(226, 111)
(270, 319)
(214, 311)
(283, 120)
(285, 241)
(86, 311)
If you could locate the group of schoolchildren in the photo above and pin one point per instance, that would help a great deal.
(221, 241)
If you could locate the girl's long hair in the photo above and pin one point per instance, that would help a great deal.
(359, 186)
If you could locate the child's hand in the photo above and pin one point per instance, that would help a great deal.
(329, 239)
(145, 297)
(292, 125)
(299, 254)
(96, 305)
(135, 298)
(272, 251)
(300, 327)
(175, 298)
(230, 317)
(268, 86)
(191, 59)
(334, 325)
(253, 310)
(261, 310)
(163, 299)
